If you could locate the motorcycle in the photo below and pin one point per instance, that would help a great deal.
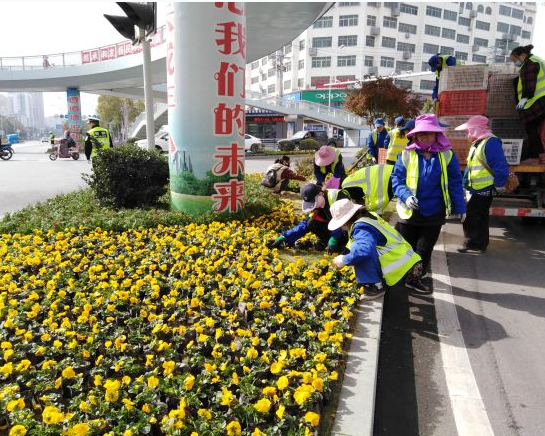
(6, 152)
(72, 152)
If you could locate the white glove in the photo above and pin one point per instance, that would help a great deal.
(521, 104)
(462, 217)
(412, 202)
(338, 261)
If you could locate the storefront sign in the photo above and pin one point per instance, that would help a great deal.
(255, 119)
(322, 96)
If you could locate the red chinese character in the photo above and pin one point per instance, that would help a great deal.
(226, 79)
(229, 195)
(73, 109)
(233, 35)
(85, 57)
(111, 52)
(74, 117)
(224, 117)
(229, 159)
(94, 56)
(170, 59)
(231, 6)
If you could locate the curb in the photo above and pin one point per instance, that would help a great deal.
(356, 407)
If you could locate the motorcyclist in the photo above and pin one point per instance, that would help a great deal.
(51, 139)
(66, 143)
(97, 137)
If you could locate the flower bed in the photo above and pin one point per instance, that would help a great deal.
(182, 330)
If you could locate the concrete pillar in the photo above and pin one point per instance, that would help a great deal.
(73, 103)
(206, 58)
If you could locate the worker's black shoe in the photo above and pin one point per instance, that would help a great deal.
(465, 249)
(373, 291)
(418, 285)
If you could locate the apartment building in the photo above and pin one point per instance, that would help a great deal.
(356, 40)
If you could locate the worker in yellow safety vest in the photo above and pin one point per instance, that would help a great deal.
(437, 63)
(378, 138)
(377, 251)
(97, 138)
(398, 139)
(370, 186)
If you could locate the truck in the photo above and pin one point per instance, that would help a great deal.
(488, 89)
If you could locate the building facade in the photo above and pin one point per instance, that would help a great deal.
(358, 40)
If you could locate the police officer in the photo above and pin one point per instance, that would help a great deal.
(97, 138)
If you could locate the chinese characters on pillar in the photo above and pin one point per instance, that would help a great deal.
(229, 117)
(74, 114)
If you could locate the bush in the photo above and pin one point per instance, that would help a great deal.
(305, 167)
(128, 176)
(309, 144)
(286, 145)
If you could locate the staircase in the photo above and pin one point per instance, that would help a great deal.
(160, 116)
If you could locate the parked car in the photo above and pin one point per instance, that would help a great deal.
(44, 139)
(161, 142)
(251, 143)
(320, 136)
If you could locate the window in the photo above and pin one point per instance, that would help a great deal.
(501, 43)
(287, 49)
(345, 78)
(368, 62)
(526, 34)
(488, 10)
(300, 83)
(427, 84)
(505, 10)
(405, 84)
(499, 59)
(346, 61)
(271, 89)
(478, 58)
(480, 42)
(264, 77)
(449, 33)
(463, 21)
(386, 62)
(469, 6)
(264, 61)
(388, 42)
(464, 39)
(255, 80)
(450, 15)
(371, 20)
(347, 40)
(404, 66)
(461, 7)
(271, 72)
(370, 41)
(323, 22)
(341, 4)
(403, 46)
(287, 66)
(447, 50)
(372, 4)
(321, 61)
(433, 12)
(322, 41)
(482, 25)
(480, 9)
(287, 84)
(430, 48)
(301, 64)
(530, 20)
(301, 44)
(517, 13)
(319, 80)
(425, 67)
(389, 22)
(515, 30)
(407, 28)
(348, 20)
(461, 55)
(502, 27)
(408, 9)
(432, 30)
(254, 65)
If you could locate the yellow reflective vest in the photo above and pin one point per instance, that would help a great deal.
(410, 162)
(396, 145)
(373, 180)
(374, 134)
(100, 138)
(396, 257)
(444, 63)
(478, 176)
(540, 84)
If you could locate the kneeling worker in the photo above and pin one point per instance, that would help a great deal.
(377, 251)
(371, 186)
(316, 201)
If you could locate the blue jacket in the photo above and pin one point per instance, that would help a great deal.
(363, 254)
(495, 159)
(428, 191)
(451, 62)
(340, 172)
(383, 139)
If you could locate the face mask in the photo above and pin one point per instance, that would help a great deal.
(320, 202)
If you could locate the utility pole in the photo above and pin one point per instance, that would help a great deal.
(148, 92)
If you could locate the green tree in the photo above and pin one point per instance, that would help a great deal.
(428, 107)
(381, 98)
(11, 125)
(118, 113)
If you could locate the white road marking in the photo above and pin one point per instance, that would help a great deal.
(466, 402)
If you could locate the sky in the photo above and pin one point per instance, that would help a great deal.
(60, 27)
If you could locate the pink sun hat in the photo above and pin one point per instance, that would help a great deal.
(426, 123)
(324, 156)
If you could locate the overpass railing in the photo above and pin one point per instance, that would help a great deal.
(77, 58)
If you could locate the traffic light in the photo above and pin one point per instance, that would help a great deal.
(142, 15)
